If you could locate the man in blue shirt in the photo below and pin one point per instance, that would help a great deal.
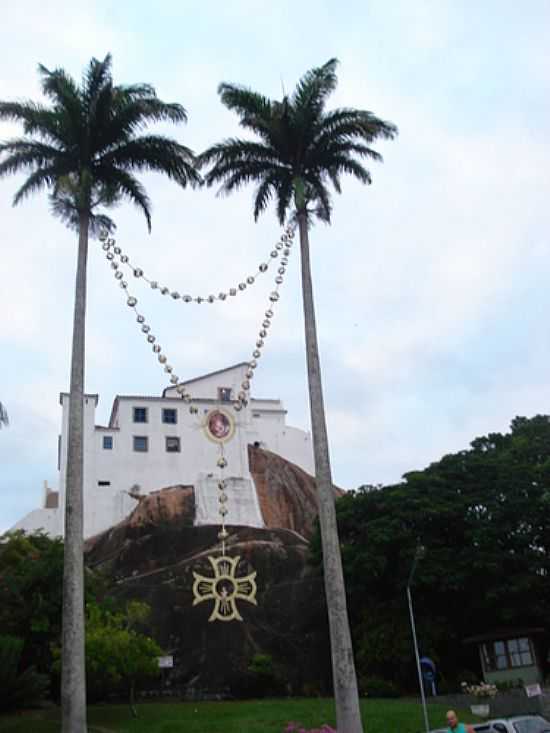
(455, 726)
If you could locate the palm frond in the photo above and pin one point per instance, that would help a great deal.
(234, 174)
(65, 208)
(235, 149)
(97, 77)
(317, 193)
(346, 164)
(313, 89)
(129, 115)
(36, 119)
(264, 192)
(284, 197)
(41, 178)
(297, 140)
(4, 419)
(255, 110)
(356, 123)
(127, 186)
(58, 86)
(86, 143)
(23, 154)
(155, 153)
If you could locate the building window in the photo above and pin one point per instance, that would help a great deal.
(103, 483)
(170, 416)
(140, 414)
(141, 443)
(224, 394)
(508, 654)
(172, 445)
(107, 442)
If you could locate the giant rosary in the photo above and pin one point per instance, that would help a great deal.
(224, 587)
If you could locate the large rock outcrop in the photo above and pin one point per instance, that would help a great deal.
(153, 553)
(287, 494)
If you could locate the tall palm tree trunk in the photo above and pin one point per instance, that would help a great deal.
(348, 715)
(73, 670)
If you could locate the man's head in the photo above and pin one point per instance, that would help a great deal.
(452, 719)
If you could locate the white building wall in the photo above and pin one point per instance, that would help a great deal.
(48, 520)
(109, 474)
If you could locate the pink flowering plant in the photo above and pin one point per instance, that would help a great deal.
(299, 728)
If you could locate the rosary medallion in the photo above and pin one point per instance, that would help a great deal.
(225, 588)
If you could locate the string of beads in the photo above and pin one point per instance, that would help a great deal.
(114, 255)
(138, 272)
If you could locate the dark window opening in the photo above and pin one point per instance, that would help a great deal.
(224, 394)
(107, 442)
(173, 445)
(141, 443)
(103, 483)
(170, 416)
(140, 414)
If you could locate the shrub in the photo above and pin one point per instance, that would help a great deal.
(263, 677)
(311, 689)
(374, 686)
(20, 688)
(506, 685)
(483, 690)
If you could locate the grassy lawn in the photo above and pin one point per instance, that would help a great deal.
(254, 716)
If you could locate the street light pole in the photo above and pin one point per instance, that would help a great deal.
(418, 555)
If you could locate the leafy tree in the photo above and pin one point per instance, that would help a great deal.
(483, 516)
(299, 149)
(31, 580)
(18, 686)
(118, 656)
(84, 147)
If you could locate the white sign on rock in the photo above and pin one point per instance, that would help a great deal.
(166, 662)
(533, 690)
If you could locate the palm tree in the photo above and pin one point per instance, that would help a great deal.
(4, 419)
(84, 147)
(298, 150)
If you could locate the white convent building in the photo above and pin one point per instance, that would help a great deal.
(155, 442)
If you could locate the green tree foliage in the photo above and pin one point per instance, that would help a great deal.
(118, 655)
(19, 685)
(31, 572)
(483, 515)
(31, 579)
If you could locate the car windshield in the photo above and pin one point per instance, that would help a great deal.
(531, 725)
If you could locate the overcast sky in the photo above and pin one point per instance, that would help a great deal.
(431, 284)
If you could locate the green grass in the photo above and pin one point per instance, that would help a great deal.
(254, 716)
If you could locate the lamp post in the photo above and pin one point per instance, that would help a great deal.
(420, 552)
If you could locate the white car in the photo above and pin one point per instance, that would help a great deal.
(516, 724)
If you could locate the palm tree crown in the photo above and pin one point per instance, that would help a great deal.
(4, 419)
(301, 147)
(87, 144)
